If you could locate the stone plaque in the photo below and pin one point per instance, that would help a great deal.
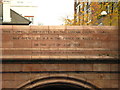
(38, 42)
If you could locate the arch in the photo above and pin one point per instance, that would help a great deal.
(60, 85)
(58, 80)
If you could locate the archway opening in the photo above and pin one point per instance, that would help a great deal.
(60, 86)
(58, 82)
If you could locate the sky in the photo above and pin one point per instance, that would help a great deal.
(52, 12)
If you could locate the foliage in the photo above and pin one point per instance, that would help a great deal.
(94, 17)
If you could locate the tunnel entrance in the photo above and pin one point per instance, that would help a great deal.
(60, 86)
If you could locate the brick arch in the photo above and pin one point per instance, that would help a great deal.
(41, 82)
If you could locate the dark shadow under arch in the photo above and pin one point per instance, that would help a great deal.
(59, 84)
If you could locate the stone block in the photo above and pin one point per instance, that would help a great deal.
(40, 67)
(110, 45)
(101, 67)
(20, 83)
(84, 67)
(22, 76)
(115, 76)
(7, 52)
(34, 76)
(23, 27)
(114, 67)
(7, 41)
(14, 57)
(21, 44)
(31, 67)
(44, 75)
(57, 27)
(74, 27)
(8, 76)
(23, 52)
(54, 57)
(1, 85)
(39, 27)
(66, 67)
(99, 83)
(8, 84)
(58, 75)
(6, 27)
(11, 67)
(49, 67)
(40, 57)
(81, 76)
(110, 84)
(105, 76)
(1, 77)
(63, 57)
(92, 76)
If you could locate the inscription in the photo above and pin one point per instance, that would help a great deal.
(38, 40)
(52, 38)
(55, 32)
(57, 45)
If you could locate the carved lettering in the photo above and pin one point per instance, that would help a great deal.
(60, 42)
